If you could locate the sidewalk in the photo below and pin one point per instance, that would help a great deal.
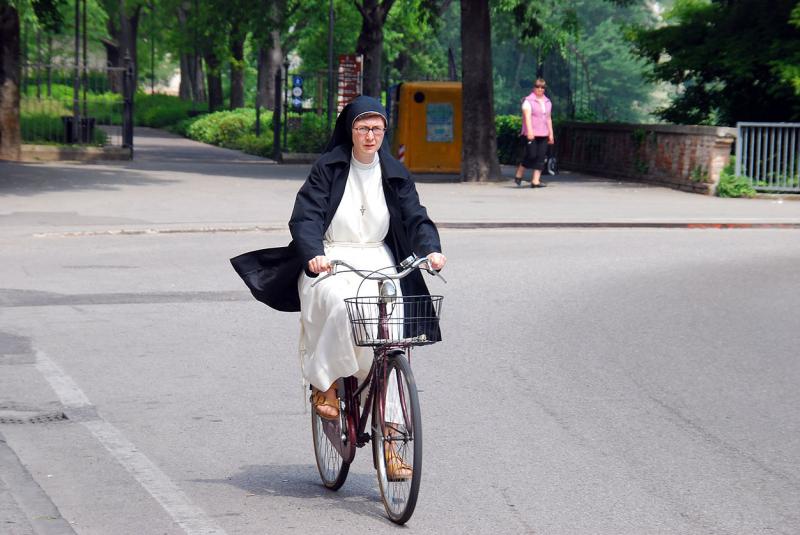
(175, 184)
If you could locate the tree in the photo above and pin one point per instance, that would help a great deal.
(479, 153)
(10, 139)
(729, 60)
(370, 41)
(48, 15)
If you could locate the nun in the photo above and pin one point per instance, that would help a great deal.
(360, 205)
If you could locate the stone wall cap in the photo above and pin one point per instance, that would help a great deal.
(697, 130)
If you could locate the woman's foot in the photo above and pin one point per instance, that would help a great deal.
(518, 180)
(396, 469)
(538, 185)
(325, 403)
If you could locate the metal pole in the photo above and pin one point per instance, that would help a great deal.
(152, 47)
(127, 97)
(85, 72)
(286, 101)
(76, 111)
(276, 120)
(195, 61)
(258, 106)
(38, 63)
(330, 63)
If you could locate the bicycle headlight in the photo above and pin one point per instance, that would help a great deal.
(388, 292)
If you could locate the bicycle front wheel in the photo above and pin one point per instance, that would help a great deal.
(397, 440)
(332, 445)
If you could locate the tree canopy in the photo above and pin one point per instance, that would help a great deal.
(731, 60)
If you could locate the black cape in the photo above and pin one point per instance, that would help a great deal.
(272, 274)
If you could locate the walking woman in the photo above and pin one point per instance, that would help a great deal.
(360, 205)
(536, 134)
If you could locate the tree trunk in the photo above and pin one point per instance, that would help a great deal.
(370, 42)
(479, 153)
(185, 85)
(10, 136)
(199, 78)
(113, 58)
(215, 97)
(237, 66)
(129, 28)
(269, 60)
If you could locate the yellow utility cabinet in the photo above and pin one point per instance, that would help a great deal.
(426, 118)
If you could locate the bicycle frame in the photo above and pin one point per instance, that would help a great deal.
(375, 381)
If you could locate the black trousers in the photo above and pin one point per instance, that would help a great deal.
(531, 154)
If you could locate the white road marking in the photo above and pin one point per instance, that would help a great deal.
(175, 502)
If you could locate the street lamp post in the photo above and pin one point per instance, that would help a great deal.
(330, 63)
(285, 99)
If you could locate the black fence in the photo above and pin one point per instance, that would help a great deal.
(65, 105)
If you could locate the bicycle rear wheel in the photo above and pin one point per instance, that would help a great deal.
(397, 440)
(333, 444)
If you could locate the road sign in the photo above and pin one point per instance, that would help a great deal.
(351, 78)
(297, 92)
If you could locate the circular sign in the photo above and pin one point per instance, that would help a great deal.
(297, 92)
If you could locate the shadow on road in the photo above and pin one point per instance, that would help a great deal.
(359, 495)
(25, 179)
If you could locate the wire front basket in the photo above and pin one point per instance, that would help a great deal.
(410, 320)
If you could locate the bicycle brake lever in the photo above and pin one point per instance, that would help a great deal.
(321, 278)
(432, 271)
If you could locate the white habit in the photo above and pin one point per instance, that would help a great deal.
(355, 235)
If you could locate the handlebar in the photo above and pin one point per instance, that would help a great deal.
(408, 265)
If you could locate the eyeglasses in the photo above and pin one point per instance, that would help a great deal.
(377, 131)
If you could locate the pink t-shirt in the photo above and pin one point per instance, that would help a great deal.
(539, 116)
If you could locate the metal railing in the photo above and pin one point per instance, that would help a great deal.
(62, 105)
(768, 154)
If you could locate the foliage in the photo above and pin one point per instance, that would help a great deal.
(311, 136)
(41, 122)
(580, 49)
(731, 185)
(159, 111)
(508, 128)
(731, 60)
(223, 127)
(257, 145)
(234, 129)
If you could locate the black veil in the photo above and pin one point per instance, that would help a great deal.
(342, 132)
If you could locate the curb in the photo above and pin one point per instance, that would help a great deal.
(444, 225)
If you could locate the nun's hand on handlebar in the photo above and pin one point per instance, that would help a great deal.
(436, 261)
(319, 264)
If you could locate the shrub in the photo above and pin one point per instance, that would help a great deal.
(310, 137)
(508, 128)
(259, 146)
(159, 111)
(41, 122)
(733, 186)
(222, 127)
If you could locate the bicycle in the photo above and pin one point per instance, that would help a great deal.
(392, 325)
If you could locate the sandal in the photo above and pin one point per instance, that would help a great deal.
(396, 469)
(518, 180)
(318, 400)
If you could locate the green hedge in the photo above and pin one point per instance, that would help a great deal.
(160, 111)
(508, 128)
(234, 129)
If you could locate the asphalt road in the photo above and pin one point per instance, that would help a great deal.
(608, 380)
(591, 382)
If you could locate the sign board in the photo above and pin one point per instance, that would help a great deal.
(439, 122)
(297, 92)
(351, 79)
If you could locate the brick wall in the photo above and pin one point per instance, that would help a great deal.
(688, 158)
